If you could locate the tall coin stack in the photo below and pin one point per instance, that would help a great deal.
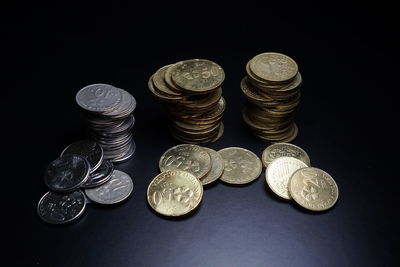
(192, 93)
(108, 111)
(272, 90)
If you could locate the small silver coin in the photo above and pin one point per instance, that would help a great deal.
(100, 176)
(58, 208)
(67, 173)
(99, 98)
(128, 154)
(88, 149)
(117, 189)
(127, 106)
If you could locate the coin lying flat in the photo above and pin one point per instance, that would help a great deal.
(278, 150)
(99, 97)
(313, 189)
(88, 149)
(57, 208)
(100, 176)
(241, 165)
(116, 190)
(278, 174)
(217, 167)
(66, 173)
(174, 193)
(191, 158)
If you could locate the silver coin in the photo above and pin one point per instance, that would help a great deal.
(88, 149)
(100, 176)
(67, 173)
(127, 106)
(128, 154)
(117, 189)
(58, 208)
(99, 97)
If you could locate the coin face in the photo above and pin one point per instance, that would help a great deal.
(100, 176)
(159, 82)
(197, 75)
(313, 189)
(278, 174)
(66, 173)
(116, 190)
(273, 67)
(241, 165)
(191, 158)
(174, 193)
(278, 150)
(99, 97)
(88, 149)
(57, 208)
(126, 107)
(217, 167)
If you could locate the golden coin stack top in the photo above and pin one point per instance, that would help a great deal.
(272, 89)
(192, 93)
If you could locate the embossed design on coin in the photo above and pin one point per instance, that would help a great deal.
(57, 208)
(273, 67)
(278, 174)
(88, 149)
(66, 173)
(174, 193)
(313, 189)
(217, 167)
(186, 157)
(278, 150)
(117, 189)
(100, 176)
(197, 75)
(241, 165)
(99, 97)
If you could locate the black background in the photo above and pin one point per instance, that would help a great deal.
(346, 55)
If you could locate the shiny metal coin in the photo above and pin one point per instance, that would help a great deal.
(100, 176)
(99, 97)
(88, 149)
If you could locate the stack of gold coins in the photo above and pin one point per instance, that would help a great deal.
(192, 93)
(272, 90)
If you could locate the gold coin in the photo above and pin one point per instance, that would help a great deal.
(220, 132)
(273, 67)
(278, 174)
(313, 189)
(217, 167)
(186, 157)
(174, 193)
(278, 150)
(241, 165)
(159, 82)
(197, 75)
(160, 95)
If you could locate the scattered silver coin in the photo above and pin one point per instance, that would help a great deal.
(99, 97)
(100, 176)
(57, 208)
(88, 149)
(67, 173)
(117, 189)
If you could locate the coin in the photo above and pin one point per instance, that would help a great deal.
(313, 189)
(159, 82)
(88, 149)
(278, 174)
(99, 97)
(67, 173)
(100, 176)
(58, 208)
(116, 190)
(191, 158)
(241, 165)
(217, 167)
(278, 150)
(174, 193)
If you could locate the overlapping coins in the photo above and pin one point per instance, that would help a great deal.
(81, 166)
(108, 111)
(289, 175)
(192, 93)
(272, 89)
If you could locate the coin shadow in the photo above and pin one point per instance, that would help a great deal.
(211, 185)
(175, 218)
(238, 185)
(271, 194)
(311, 212)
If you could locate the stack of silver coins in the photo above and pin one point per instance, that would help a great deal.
(81, 166)
(108, 111)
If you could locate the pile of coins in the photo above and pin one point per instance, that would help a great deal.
(108, 111)
(186, 168)
(81, 165)
(272, 90)
(289, 175)
(192, 93)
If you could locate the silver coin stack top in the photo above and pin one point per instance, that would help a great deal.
(108, 111)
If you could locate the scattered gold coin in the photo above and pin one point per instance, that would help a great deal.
(278, 150)
(217, 167)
